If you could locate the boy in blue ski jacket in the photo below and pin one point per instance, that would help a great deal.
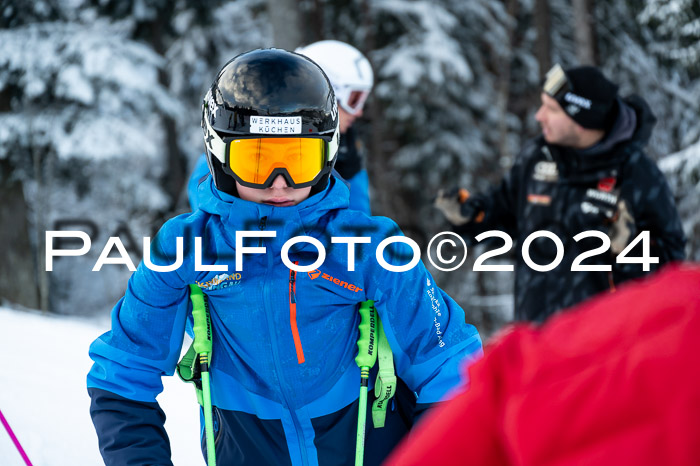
(284, 383)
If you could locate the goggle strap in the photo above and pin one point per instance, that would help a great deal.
(333, 144)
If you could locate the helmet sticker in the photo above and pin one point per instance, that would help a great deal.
(334, 110)
(275, 125)
(211, 104)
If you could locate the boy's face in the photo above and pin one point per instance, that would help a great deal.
(278, 195)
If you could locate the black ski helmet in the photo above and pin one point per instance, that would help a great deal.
(272, 83)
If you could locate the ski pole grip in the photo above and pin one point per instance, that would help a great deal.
(202, 321)
(366, 343)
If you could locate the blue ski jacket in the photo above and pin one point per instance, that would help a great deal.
(284, 381)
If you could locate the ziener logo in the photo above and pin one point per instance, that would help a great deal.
(314, 274)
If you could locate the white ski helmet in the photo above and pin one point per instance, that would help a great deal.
(348, 70)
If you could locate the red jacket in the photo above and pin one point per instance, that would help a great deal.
(614, 381)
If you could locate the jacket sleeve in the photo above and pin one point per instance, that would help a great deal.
(130, 433)
(426, 328)
(129, 360)
(654, 210)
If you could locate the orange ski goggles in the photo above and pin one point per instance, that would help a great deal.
(256, 162)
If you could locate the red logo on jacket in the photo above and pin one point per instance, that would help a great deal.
(607, 184)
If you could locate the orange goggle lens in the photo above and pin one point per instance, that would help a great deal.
(254, 161)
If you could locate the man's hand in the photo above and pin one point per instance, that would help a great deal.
(456, 208)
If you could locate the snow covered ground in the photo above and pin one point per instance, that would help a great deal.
(44, 398)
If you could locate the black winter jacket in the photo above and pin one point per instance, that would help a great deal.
(566, 192)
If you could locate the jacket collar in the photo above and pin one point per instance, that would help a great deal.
(309, 217)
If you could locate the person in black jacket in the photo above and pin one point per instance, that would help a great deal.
(586, 172)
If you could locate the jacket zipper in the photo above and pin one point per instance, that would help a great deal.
(293, 313)
(275, 355)
(261, 226)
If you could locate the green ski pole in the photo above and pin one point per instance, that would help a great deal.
(366, 357)
(202, 345)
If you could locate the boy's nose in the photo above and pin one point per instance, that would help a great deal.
(279, 182)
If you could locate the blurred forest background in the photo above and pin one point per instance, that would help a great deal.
(100, 107)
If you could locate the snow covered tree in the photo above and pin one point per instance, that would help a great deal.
(682, 169)
(203, 41)
(676, 28)
(88, 89)
(674, 31)
(437, 110)
(83, 103)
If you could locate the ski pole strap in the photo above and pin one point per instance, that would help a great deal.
(385, 385)
(372, 345)
(189, 366)
(188, 370)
